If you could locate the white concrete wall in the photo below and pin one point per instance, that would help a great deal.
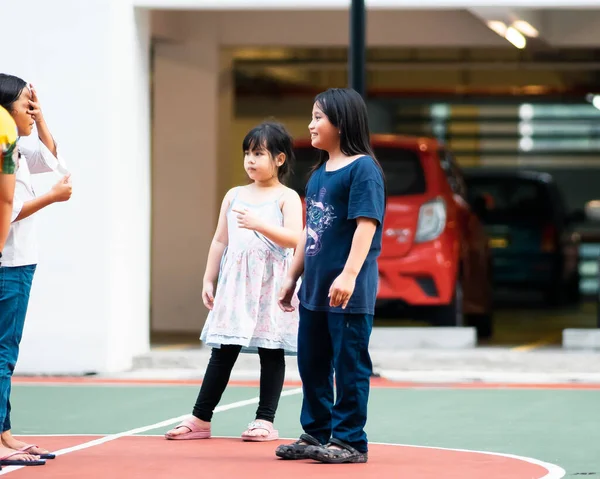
(193, 95)
(185, 182)
(89, 61)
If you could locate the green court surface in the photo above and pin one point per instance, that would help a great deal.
(551, 424)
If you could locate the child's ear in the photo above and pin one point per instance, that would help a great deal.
(280, 160)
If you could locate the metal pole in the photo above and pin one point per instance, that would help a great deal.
(357, 50)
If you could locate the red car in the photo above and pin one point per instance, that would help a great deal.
(435, 254)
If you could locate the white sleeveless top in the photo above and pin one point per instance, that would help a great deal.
(253, 268)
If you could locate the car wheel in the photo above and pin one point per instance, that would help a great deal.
(555, 295)
(573, 291)
(483, 324)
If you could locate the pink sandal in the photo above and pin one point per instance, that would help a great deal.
(45, 455)
(195, 432)
(272, 435)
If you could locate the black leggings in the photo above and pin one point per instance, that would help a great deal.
(218, 371)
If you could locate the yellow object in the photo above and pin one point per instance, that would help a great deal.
(8, 142)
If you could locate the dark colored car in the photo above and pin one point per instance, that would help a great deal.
(530, 233)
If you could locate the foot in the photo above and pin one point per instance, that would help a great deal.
(259, 428)
(6, 452)
(337, 452)
(10, 442)
(297, 450)
(183, 429)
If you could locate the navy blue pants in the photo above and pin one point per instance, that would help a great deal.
(15, 285)
(328, 343)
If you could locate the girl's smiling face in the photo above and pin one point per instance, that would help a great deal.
(323, 135)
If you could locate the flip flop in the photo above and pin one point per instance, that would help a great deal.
(27, 447)
(272, 435)
(5, 461)
(195, 432)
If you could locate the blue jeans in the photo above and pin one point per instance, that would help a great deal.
(329, 342)
(15, 285)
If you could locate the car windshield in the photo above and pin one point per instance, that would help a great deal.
(510, 199)
(402, 168)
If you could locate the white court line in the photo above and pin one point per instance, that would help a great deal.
(138, 430)
(554, 471)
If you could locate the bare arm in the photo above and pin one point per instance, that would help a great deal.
(61, 191)
(35, 205)
(215, 253)
(297, 266)
(343, 286)
(7, 192)
(361, 244)
(43, 131)
(294, 273)
(288, 235)
(46, 137)
(218, 244)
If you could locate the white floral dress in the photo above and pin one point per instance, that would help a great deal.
(253, 268)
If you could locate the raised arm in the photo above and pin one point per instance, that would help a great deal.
(45, 158)
(43, 131)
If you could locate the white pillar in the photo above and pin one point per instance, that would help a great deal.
(89, 307)
(192, 111)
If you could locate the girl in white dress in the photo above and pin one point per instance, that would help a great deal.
(258, 229)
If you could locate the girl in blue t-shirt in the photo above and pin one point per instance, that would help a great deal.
(337, 256)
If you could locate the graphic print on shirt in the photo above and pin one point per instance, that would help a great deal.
(319, 217)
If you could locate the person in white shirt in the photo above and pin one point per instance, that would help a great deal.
(19, 257)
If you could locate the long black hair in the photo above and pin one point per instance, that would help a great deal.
(273, 137)
(347, 111)
(11, 88)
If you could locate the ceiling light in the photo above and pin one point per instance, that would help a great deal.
(526, 111)
(498, 26)
(526, 28)
(515, 37)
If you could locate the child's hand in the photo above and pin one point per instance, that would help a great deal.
(286, 294)
(341, 290)
(62, 190)
(208, 294)
(247, 219)
(35, 110)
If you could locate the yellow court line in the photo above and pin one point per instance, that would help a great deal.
(545, 341)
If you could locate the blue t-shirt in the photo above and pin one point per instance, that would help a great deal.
(334, 200)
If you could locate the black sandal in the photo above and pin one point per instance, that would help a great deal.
(347, 454)
(297, 450)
